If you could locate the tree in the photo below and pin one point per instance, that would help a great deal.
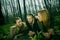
(35, 5)
(1, 16)
(19, 13)
(25, 12)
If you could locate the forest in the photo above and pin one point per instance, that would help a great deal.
(19, 8)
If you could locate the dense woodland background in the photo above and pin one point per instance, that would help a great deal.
(19, 8)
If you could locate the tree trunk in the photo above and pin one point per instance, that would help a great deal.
(20, 13)
(1, 17)
(25, 12)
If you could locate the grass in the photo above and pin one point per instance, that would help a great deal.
(4, 31)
